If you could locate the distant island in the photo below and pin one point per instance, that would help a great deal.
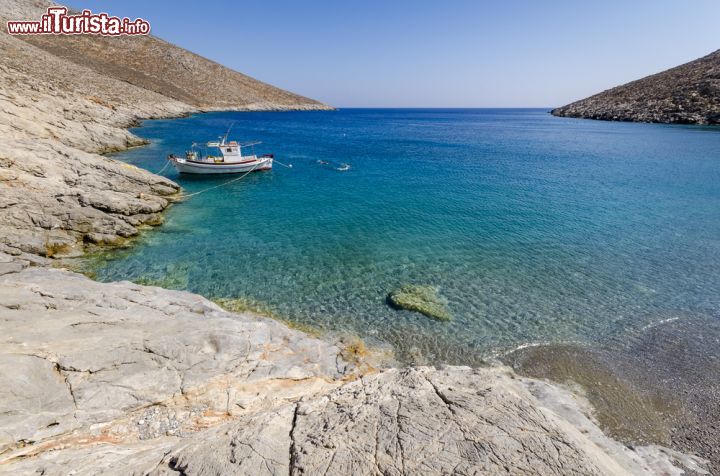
(686, 94)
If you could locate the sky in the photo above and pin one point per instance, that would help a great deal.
(451, 53)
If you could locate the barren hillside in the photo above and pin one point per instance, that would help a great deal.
(156, 65)
(686, 94)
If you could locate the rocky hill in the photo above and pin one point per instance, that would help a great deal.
(155, 65)
(686, 94)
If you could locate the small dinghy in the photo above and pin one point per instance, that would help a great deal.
(227, 158)
(333, 165)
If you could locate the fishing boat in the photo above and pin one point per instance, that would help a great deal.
(226, 158)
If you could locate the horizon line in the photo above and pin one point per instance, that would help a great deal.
(444, 107)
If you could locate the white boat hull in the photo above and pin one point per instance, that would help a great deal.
(185, 166)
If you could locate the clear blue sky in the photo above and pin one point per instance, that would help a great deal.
(452, 53)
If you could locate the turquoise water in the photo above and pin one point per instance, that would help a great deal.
(536, 229)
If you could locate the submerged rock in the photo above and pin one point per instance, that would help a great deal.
(173, 276)
(244, 304)
(422, 299)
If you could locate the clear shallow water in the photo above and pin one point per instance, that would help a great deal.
(535, 228)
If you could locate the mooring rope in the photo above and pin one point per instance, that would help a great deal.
(284, 165)
(182, 197)
(164, 167)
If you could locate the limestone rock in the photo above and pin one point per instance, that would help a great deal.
(76, 353)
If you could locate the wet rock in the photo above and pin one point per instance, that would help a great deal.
(171, 276)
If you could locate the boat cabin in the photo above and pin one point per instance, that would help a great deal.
(228, 151)
(232, 148)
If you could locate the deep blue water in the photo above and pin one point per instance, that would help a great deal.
(535, 228)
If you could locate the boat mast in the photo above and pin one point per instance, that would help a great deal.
(224, 140)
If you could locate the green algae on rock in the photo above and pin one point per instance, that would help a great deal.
(422, 299)
(172, 276)
(244, 304)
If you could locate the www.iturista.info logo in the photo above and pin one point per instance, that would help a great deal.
(57, 22)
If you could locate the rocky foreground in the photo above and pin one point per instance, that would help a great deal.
(128, 379)
(686, 94)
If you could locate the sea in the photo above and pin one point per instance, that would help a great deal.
(534, 229)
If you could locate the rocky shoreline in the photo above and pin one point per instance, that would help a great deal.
(659, 386)
(126, 379)
(64, 100)
(119, 378)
